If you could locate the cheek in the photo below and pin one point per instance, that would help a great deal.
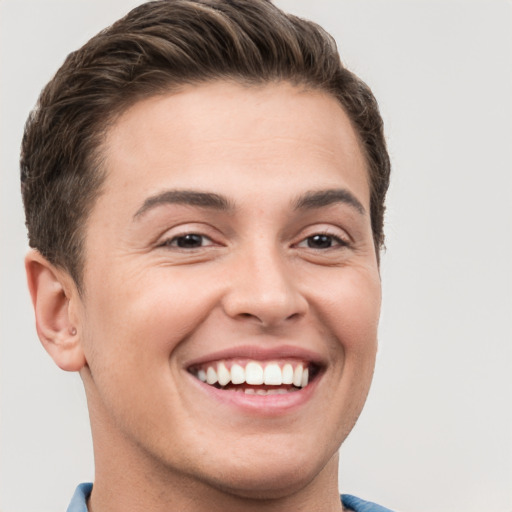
(351, 309)
(138, 322)
(131, 340)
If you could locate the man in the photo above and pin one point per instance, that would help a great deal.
(204, 187)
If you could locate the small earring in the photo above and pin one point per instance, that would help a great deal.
(72, 331)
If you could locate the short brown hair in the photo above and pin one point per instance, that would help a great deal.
(154, 49)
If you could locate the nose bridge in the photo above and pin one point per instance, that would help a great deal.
(263, 287)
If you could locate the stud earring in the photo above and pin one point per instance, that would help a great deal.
(72, 331)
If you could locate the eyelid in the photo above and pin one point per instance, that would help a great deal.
(334, 232)
(338, 241)
(169, 242)
(189, 228)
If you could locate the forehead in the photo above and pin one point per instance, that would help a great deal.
(275, 132)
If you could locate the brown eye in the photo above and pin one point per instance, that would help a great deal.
(189, 241)
(320, 241)
(323, 241)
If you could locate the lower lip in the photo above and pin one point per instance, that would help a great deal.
(270, 405)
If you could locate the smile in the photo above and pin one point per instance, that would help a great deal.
(256, 377)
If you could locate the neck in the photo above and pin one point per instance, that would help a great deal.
(137, 491)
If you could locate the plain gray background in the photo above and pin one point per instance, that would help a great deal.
(436, 431)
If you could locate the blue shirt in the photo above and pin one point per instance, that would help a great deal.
(79, 501)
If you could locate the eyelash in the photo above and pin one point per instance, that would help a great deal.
(333, 240)
(174, 241)
(338, 241)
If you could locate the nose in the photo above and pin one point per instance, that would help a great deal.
(264, 290)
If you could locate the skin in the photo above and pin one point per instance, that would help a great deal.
(255, 279)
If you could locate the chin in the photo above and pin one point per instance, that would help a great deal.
(271, 477)
(269, 486)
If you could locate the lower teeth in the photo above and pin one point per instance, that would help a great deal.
(280, 391)
(257, 390)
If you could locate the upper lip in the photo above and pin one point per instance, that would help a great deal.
(259, 353)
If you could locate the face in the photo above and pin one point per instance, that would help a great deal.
(232, 292)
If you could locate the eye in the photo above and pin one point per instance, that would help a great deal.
(322, 241)
(189, 241)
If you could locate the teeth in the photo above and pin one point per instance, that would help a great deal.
(287, 374)
(256, 374)
(211, 376)
(272, 375)
(305, 378)
(297, 376)
(263, 392)
(237, 374)
(223, 374)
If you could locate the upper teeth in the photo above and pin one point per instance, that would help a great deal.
(255, 373)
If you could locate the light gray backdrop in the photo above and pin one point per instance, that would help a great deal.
(436, 432)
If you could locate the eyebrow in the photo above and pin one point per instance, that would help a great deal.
(321, 198)
(187, 197)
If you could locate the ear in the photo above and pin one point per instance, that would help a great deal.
(54, 297)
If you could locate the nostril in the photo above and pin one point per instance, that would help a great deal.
(247, 315)
(266, 320)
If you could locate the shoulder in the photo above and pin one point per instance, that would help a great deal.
(355, 504)
(79, 500)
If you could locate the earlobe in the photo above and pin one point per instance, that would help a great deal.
(52, 291)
